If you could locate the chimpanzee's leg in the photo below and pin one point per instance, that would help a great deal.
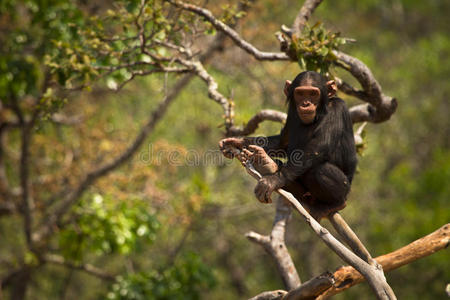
(328, 186)
(265, 165)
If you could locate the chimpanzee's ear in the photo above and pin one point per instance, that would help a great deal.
(287, 84)
(332, 88)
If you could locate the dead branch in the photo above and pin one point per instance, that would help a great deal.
(374, 275)
(27, 205)
(213, 92)
(312, 287)
(62, 119)
(350, 238)
(272, 295)
(346, 277)
(89, 269)
(220, 26)
(276, 247)
(380, 107)
(303, 16)
(251, 126)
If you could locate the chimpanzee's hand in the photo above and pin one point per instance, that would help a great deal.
(227, 144)
(266, 185)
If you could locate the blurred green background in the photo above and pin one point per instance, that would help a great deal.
(175, 230)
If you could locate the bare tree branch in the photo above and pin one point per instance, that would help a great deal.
(312, 287)
(374, 275)
(380, 107)
(350, 238)
(272, 295)
(213, 92)
(219, 25)
(90, 269)
(27, 202)
(61, 119)
(6, 206)
(350, 90)
(253, 123)
(347, 276)
(303, 16)
(276, 247)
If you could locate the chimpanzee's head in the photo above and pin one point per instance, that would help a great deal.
(308, 95)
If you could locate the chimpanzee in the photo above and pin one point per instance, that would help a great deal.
(317, 141)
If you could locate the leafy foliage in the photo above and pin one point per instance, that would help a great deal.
(314, 47)
(35, 29)
(104, 228)
(184, 280)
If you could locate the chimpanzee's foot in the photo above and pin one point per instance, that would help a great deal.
(260, 160)
(321, 210)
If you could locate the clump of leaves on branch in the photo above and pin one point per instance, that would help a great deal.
(314, 47)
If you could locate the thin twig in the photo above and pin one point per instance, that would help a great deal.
(89, 269)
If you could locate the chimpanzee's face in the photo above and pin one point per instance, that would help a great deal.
(307, 98)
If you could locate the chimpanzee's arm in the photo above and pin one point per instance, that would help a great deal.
(300, 161)
(348, 148)
(271, 143)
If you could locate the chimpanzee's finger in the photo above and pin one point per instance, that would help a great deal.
(242, 158)
(255, 148)
(228, 153)
(247, 153)
(234, 142)
(259, 192)
(267, 196)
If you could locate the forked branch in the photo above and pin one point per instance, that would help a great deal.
(373, 275)
(276, 247)
(346, 277)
